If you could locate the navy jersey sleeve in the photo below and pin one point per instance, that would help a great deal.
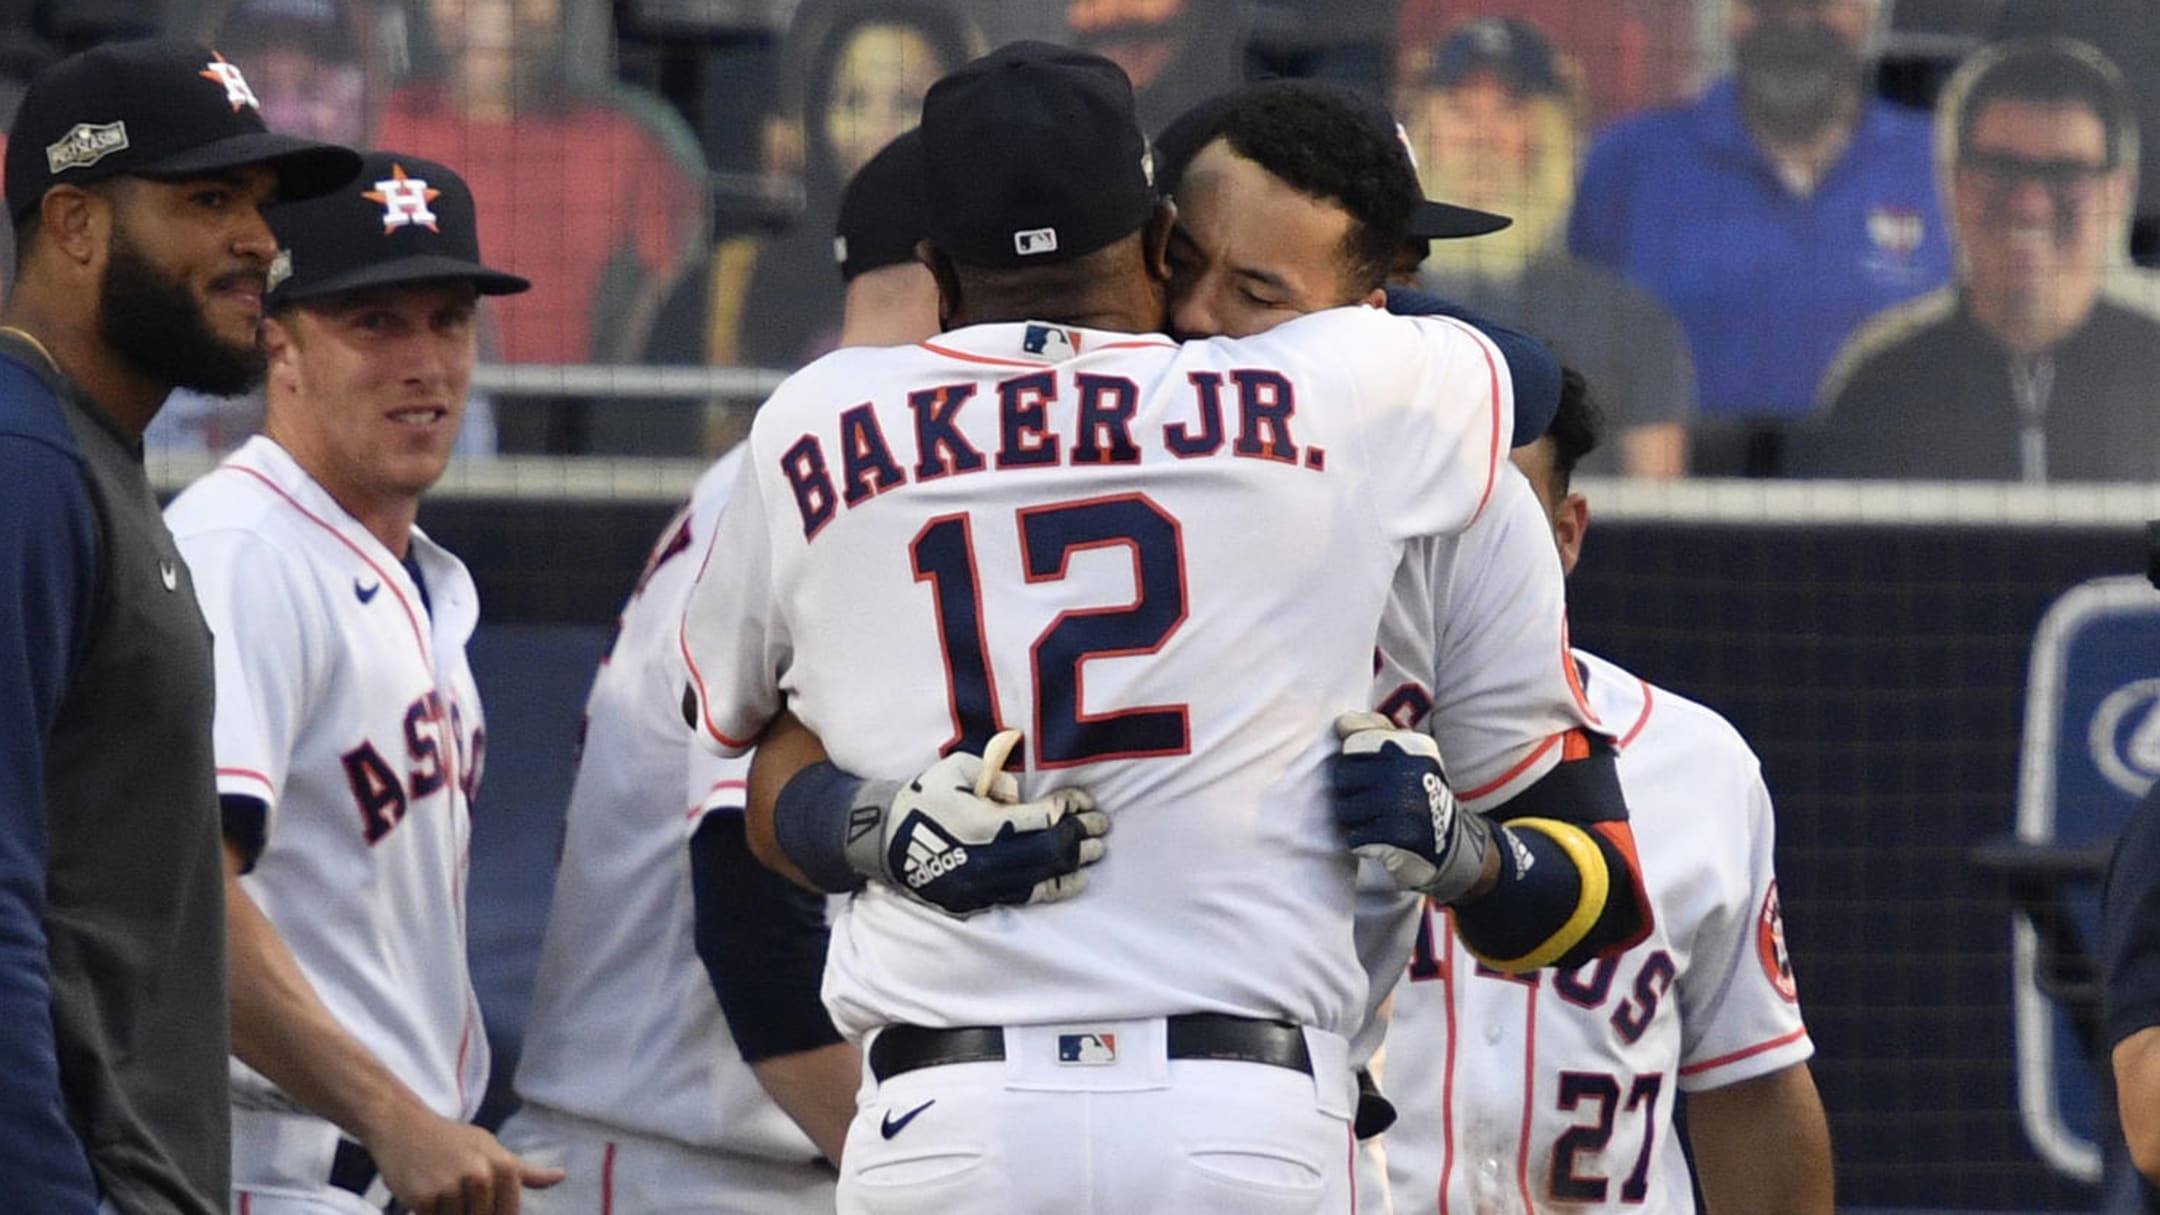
(2130, 926)
(47, 575)
(1534, 369)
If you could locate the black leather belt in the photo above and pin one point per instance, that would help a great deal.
(353, 1171)
(899, 1049)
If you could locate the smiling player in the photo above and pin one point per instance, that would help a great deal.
(348, 729)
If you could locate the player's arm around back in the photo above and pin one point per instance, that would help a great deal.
(1475, 650)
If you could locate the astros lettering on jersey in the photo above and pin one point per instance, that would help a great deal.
(1133, 551)
(351, 716)
(1554, 1091)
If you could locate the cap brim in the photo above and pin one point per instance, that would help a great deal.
(1442, 221)
(305, 168)
(405, 272)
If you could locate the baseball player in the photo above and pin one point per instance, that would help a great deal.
(656, 1098)
(348, 732)
(136, 178)
(1095, 501)
(1555, 1090)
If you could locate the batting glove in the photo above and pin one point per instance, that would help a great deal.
(959, 838)
(1392, 801)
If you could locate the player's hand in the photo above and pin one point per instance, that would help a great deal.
(959, 838)
(439, 1167)
(1392, 801)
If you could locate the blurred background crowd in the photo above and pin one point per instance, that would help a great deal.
(1831, 238)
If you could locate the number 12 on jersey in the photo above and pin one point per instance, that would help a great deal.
(1064, 733)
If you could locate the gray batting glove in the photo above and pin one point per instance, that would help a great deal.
(1392, 801)
(959, 839)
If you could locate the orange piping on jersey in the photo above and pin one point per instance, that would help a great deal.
(1446, 935)
(1574, 747)
(250, 774)
(682, 637)
(1520, 767)
(1529, 1097)
(1492, 454)
(1782, 1040)
(1622, 836)
(993, 361)
(718, 786)
(1351, 1134)
(1649, 702)
(682, 642)
(412, 619)
(965, 357)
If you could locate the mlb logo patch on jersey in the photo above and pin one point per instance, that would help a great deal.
(1044, 339)
(1087, 1049)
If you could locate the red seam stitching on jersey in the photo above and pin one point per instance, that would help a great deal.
(1492, 454)
(1648, 703)
(1693, 1069)
(1529, 1096)
(1502, 779)
(977, 358)
(250, 773)
(1350, 1133)
(420, 636)
(1447, 1083)
(698, 677)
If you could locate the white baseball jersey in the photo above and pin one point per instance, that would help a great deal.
(1481, 618)
(1166, 565)
(625, 1029)
(1554, 1091)
(344, 705)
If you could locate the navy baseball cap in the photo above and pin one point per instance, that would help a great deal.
(403, 221)
(1513, 50)
(1032, 154)
(153, 108)
(1197, 127)
(881, 210)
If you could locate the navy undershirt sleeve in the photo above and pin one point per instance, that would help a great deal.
(48, 555)
(2130, 926)
(1533, 367)
(762, 939)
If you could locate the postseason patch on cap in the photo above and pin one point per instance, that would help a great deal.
(85, 145)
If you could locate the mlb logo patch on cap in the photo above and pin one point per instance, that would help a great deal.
(1032, 241)
(1087, 1049)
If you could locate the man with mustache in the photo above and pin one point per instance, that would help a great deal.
(1771, 216)
(348, 730)
(136, 176)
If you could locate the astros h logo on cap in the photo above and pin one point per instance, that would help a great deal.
(405, 221)
(154, 108)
